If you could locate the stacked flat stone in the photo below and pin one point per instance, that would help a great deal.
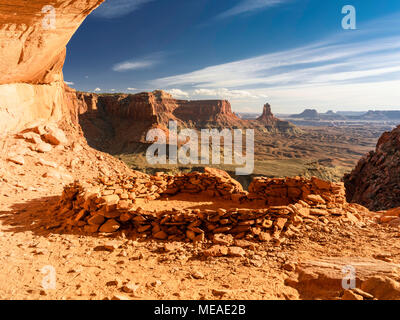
(106, 205)
(284, 191)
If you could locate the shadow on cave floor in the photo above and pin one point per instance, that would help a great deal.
(37, 216)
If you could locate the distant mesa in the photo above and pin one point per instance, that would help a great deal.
(307, 114)
(118, 122)
(381, 115)
(313, 114)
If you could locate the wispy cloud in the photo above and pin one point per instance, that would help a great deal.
(70, 83)
(310, 64)
(118, 8)
(128, 65)
(224, 93)
(342, 70)
(141, 63)
(97, 90)
(246, 6)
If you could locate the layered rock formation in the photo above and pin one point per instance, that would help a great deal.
(273, 124)
(33, 39)
(117, 123)
(375, 181)
(160, 107)
(267, 116)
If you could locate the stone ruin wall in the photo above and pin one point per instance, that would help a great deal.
(282, 205)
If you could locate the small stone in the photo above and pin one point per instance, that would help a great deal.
(161, 235)
(110, 200)
(216, 251)
(197, 275)
(125, 217)
(47, 163)
(280, 223)
(316, 198)
(264, 236)
(97, 219)
(362, 293)
(350, 295)
(236, 252)
(219, 292)
(318, 212)
(43, 147)
(130, 288)
(112, 283)
(190, 235)
(54, 135)
(110, 226)
(17, 160)
(124, 204)
(91, 228)
(223, 239)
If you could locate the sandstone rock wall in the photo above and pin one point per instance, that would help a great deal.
(160, 107)
(32, 57)
(375, 181)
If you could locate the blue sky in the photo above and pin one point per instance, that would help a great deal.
(293, 54)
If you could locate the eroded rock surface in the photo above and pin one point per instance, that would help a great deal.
(32, 56)
(375, 181)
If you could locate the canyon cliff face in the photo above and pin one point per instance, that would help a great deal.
(33, 42)
(118, 123)
(375, 181)
(158, 107)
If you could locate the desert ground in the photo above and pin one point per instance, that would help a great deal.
(121, 265)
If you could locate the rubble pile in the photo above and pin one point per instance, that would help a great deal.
(108, 206)
(212, 183)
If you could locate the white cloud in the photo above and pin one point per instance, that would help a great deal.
(69, 83)
(118, 8)
(131, 89)
(178, 93)
(343, 70)
(97, 90)
(246, 6)
(226, 94)
(304, 64)
(142, 63)
(125, 66)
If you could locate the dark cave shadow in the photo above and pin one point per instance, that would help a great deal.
(33, 215)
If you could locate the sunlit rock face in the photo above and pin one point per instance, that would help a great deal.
(33, 39)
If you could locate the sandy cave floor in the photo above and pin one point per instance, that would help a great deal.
(148, 269)
(121, 267)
